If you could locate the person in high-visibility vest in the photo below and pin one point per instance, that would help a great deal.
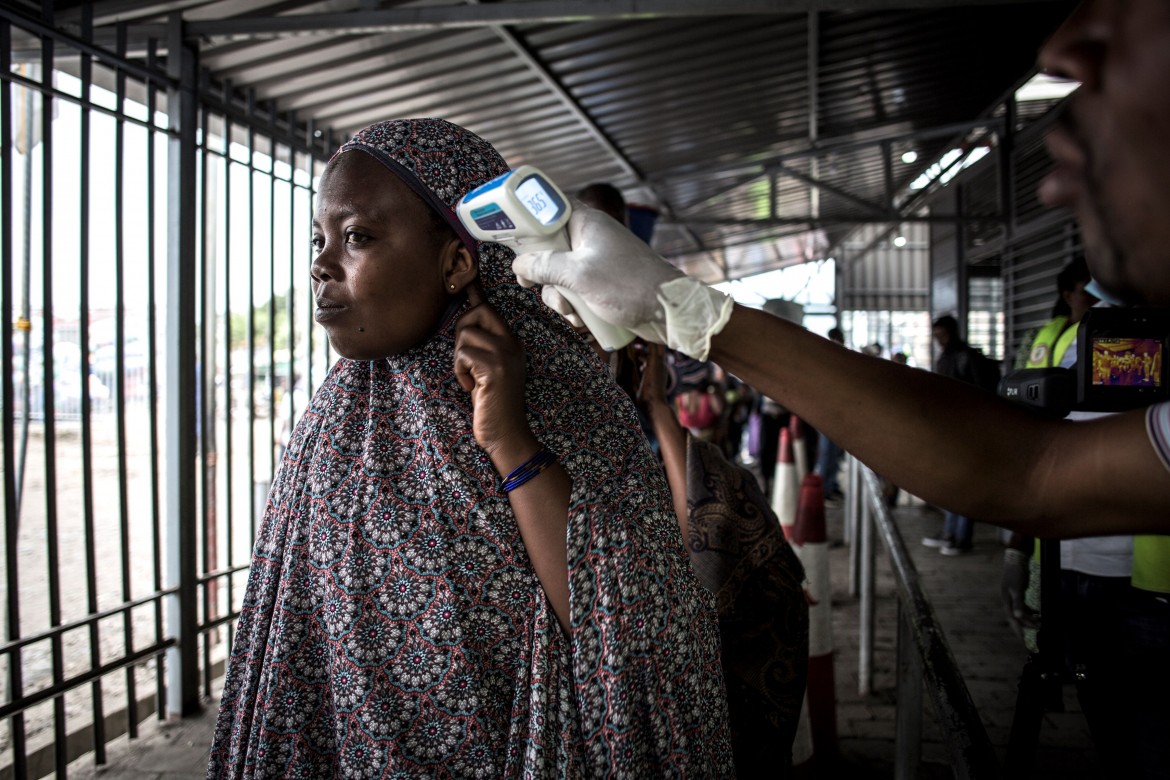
(1054, 337)
(1054, 345)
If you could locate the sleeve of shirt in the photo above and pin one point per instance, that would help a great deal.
(1158, 428)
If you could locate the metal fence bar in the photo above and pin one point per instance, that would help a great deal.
(120, 390)
(156, 550)
(183, 534)
(971, 752)
(206, 380)
(228, 406)
(257, 501)
(48, 364)
(188, 574)
(14, 682)
(852, 525)
(85, 141)
(868, 599)
(15, 645)
(57, 690)
(908, 712)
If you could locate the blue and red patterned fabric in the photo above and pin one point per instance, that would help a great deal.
(393, 626)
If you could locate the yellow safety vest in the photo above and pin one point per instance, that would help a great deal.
(1051, 343)
(1151, 563)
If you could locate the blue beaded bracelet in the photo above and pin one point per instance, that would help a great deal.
(527, 470)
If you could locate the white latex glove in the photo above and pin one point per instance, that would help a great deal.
(624, 282)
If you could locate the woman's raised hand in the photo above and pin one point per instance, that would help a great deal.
(489, 364)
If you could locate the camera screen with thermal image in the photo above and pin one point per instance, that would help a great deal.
(1127, 362)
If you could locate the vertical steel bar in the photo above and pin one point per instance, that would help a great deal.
(865, 633)
(15, 679)
(269, 445)
(207, 416)
(156, 551)
(257, 506)
(120, 378)
(908, 706)
(83, 220)
(229, 445)
(182, 536)
(292, 285)
(854, 500)
(48, 363)
(310, 303)
(210, 361)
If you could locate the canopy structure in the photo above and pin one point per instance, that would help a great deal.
(761, 133)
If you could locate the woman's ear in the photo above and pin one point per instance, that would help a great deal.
(459, 268)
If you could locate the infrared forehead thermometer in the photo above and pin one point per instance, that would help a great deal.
(526, 211)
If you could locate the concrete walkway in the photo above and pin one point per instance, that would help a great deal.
(965, 594)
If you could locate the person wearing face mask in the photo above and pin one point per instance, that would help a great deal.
(944, 441)
(468, 564)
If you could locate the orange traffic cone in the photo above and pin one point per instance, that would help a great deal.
(785, 485)
(810, 541)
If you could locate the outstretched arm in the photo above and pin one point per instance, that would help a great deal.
(951, 443)
(940, 439)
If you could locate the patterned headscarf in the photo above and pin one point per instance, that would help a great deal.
(393, 624)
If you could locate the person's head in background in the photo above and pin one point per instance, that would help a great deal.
(899, 357)
(605, 197)
(1073, 301)
(946, 332)
(837, 335)
(1112, 160)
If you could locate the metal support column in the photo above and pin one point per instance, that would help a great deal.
(182, 383)
(865, 638)
(853, 499)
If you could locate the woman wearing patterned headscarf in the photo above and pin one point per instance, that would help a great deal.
(468, 564)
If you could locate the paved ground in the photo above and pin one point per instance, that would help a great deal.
(964, 591)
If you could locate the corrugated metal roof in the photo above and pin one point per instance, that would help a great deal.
(763, 132)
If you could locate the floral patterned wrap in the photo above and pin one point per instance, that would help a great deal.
(393, 626)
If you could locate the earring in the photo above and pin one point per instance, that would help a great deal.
(452, 286)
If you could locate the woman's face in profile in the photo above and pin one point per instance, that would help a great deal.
(378, 276)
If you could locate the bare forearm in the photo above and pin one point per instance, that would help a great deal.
(940, 439)
(672, 443)
(541, 507)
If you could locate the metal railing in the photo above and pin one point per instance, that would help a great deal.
(924, 661)
(155, 318)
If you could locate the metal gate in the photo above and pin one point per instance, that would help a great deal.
(157, 343)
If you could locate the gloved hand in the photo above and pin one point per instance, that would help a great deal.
(624, 282)
(1011, 589)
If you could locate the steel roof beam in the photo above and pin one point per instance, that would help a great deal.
(864, 219)
(537, 12)
(755, 168)
(522, 52)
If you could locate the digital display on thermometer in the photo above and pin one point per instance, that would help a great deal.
(540, 202)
